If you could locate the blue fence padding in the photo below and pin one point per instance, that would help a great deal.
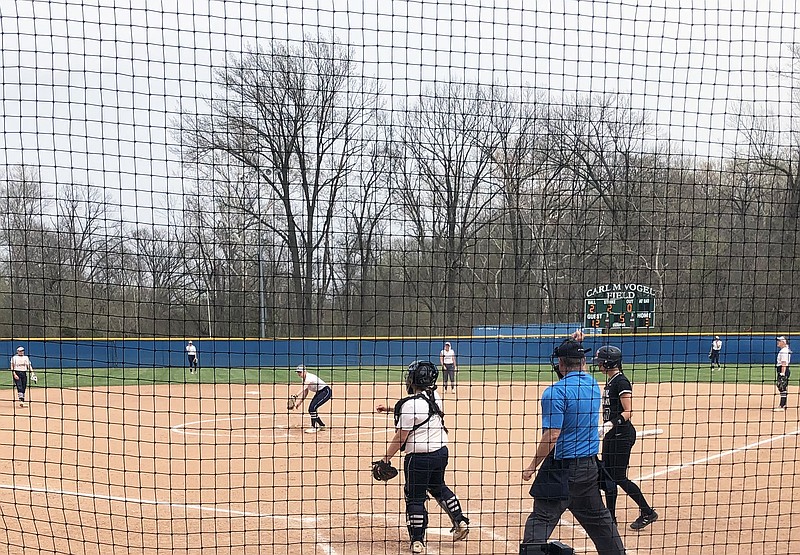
(472, 351)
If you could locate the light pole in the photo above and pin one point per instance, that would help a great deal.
(205, 293)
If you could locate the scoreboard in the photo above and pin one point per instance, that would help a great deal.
(615, 306)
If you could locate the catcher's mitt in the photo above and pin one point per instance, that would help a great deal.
(383, 471)
(291, 402)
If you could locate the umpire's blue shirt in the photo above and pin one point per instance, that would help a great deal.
(572, 405)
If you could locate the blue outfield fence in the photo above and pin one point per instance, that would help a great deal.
(471, 351)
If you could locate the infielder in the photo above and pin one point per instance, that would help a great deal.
(619, 435)
(322, 394)
(421, 433)
(20, 366)
(782, 372)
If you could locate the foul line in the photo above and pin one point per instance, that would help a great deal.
(140, 501)
(324, 544)
(720, 455)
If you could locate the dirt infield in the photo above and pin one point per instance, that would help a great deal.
(225, 469)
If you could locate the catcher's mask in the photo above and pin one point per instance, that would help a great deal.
(608, 357)
(421, 374)
(569, 348)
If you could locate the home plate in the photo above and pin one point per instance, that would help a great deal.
(440, 531)
(254, 392)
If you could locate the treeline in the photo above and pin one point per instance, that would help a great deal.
(313, 209)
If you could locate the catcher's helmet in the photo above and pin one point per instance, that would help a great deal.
(421, 374)
(609, 357)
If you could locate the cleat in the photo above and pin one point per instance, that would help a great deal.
(311, 430)
(460, 531)
(644, 520)
(779, 409)
(417, 547)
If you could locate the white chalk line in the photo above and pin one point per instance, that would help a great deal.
(324, 544)
(142, 501)
(184, 428)
(722, 454)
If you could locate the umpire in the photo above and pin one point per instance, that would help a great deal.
(567, 453)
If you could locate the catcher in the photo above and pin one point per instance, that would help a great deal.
(782, 371)
(421, 433)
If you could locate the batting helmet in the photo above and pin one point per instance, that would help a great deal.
(421, 374)
(609, 357)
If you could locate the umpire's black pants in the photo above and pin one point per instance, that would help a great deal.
(586, 505)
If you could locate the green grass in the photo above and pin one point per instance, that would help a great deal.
(98, 377)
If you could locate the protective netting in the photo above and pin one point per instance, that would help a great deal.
(198, 197)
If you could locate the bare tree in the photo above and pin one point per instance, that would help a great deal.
(290, 119)
(445, 187)
(27, 241)
(362, 240)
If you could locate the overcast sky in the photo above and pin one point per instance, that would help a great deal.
(91, 88)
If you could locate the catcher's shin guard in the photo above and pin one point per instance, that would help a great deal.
(450, 504)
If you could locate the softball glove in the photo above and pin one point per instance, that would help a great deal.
(383, 471)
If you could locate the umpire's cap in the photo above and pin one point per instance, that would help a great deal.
(570, 349)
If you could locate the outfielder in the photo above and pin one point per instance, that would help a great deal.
(191, 355)
(322, 394)
(20, 366)
(619, 435)
(421, 433)
(782, 372)
(447, 359)
(715, 352)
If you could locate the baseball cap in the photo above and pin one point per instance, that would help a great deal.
(780, 338)
(300, 369)
(716, 337)
(570, 349)
(20, 348)
(447, 343)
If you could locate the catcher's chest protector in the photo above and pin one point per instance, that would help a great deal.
(433, 408)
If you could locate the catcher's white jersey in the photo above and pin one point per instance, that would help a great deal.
(428, 437)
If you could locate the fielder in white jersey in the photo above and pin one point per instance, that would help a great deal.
(782, 372)
(191, 355)
(322, 394)
(20, 366)
(447, 358)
